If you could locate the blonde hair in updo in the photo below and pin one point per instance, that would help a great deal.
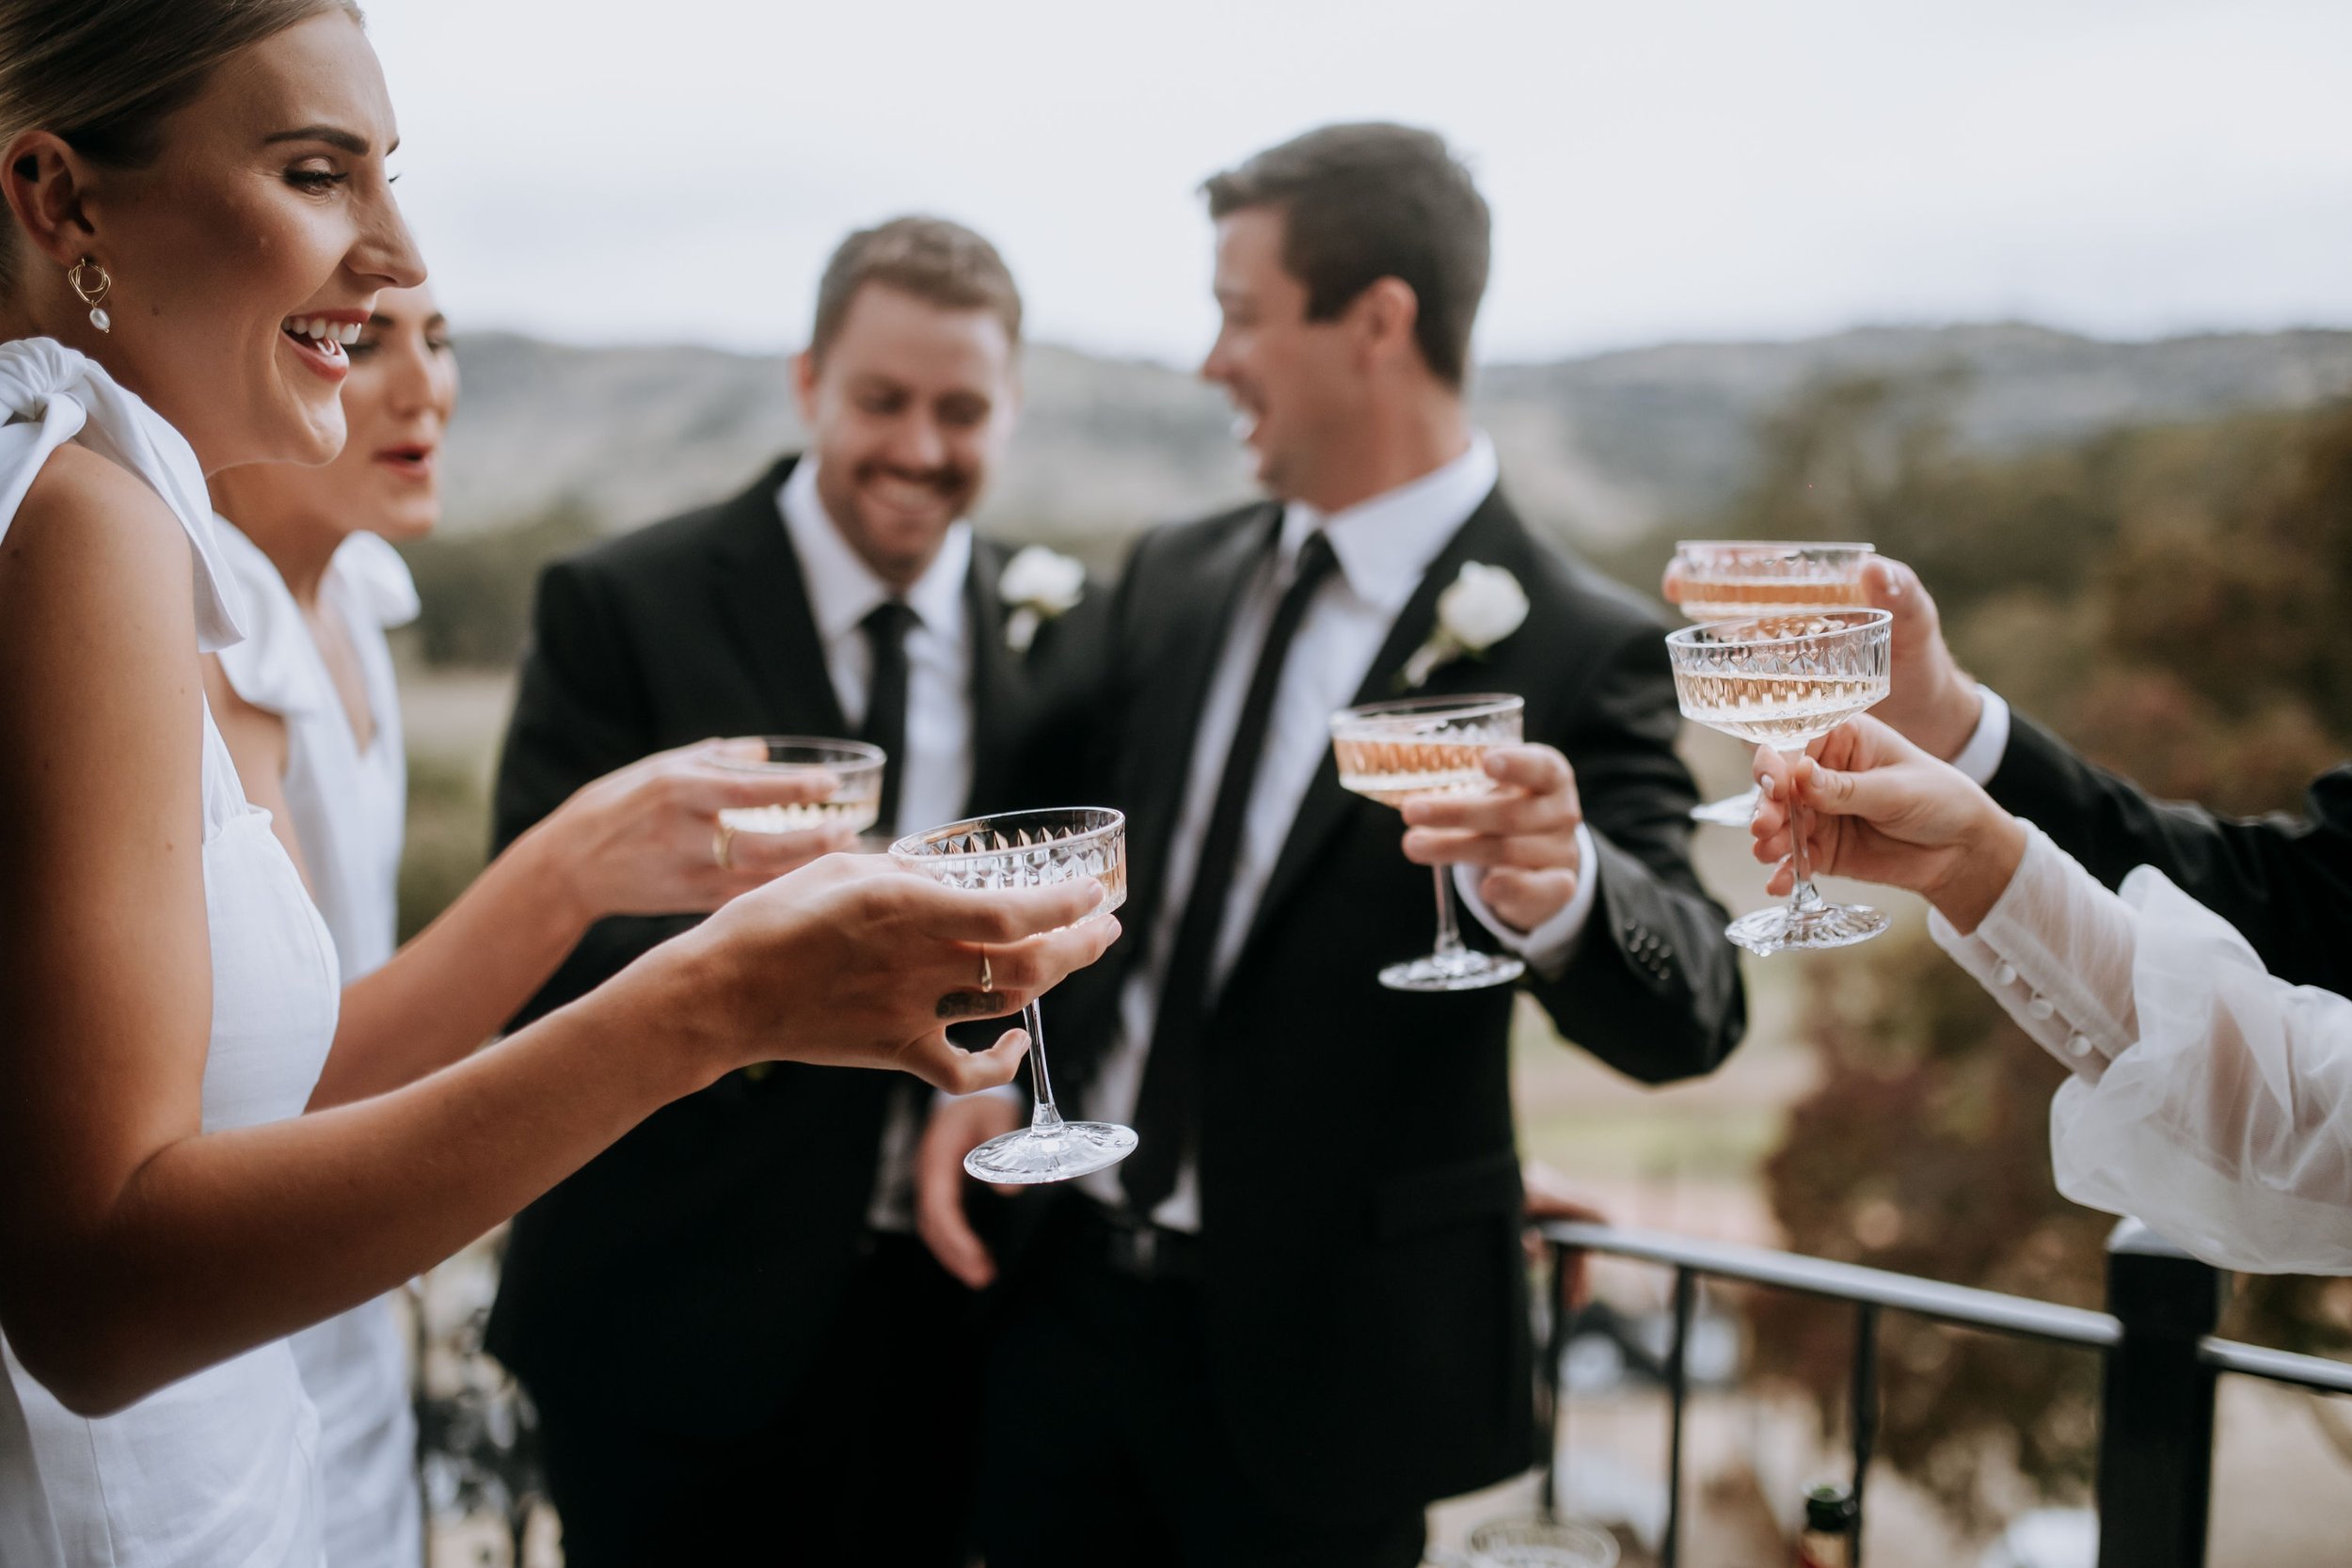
(103, 75)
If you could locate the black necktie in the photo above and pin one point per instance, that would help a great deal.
(1167, 1110)
(886, 702)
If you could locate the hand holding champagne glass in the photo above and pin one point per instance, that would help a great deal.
(852, 768)
(1742, 580)
(1388, 751)
(1034, 849)
(1782, 681)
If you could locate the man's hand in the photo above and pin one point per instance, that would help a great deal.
(1523, 832)
(1550, 1197)
(957, 1127)
(1931, 703)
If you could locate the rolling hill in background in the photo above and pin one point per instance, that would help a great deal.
(1602, 448)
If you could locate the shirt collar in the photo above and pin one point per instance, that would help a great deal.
(843, 589)
(1385, 544)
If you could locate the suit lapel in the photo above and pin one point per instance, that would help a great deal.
(1490, 534)
(1164, 723)
(765, 600)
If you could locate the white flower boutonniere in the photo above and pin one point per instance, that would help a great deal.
(1478, 610)
(1039, 585)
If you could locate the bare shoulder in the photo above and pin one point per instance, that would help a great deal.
(87, 526)
(97, 616)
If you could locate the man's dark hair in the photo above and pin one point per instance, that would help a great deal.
(940, 263)
(1364, 202)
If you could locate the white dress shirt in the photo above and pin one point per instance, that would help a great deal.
(1384, 546)
(1988, 743)
(2208, 1099)
(935, 774)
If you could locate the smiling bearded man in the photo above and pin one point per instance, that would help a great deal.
(712, 1316)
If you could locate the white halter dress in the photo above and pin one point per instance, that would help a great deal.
(349, 805)
(220, 1469)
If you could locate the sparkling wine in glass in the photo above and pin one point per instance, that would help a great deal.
(1034, 848)
(1783, 681)
(1741, 580)
(855, 767)
(1388, 752)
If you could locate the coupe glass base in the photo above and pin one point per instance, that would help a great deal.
(1453, 971)
(1540, 1543)
(1812, 928)
(1073, 1149)
(1732, 811)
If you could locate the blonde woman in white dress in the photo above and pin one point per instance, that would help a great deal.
(197, 1158)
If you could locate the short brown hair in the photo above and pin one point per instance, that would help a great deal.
(941, 262)
(105, 74)
(1364, 202)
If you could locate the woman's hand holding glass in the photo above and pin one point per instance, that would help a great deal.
(854, 962)
(643, 839)
(1883, 811)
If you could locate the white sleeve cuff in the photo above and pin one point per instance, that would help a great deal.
(1980, 758)
(1549, 947)
(2056, 950)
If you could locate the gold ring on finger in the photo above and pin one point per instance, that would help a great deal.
(988, 975)
(723, 847)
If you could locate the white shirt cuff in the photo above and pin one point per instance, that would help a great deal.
(1980, 758)
(1549, 947)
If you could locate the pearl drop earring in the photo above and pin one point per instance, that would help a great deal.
(93, 295)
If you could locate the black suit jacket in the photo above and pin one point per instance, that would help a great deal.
(2284, 883)
(683, 1277)
(1365, 1291)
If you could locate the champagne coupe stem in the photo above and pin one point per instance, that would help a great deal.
(1046, 1120)
(1802, 896)
(1449, 933)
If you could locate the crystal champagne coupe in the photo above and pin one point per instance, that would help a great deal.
(1783, 681)
(1739, 579)
(856, 768)
(1542, 1543)
(1034, 848)
(1388, 752)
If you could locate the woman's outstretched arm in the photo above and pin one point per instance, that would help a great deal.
(639, 841)
(141, 1248)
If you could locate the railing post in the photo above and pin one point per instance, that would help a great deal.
(2157, 1415)
(1678, 1392)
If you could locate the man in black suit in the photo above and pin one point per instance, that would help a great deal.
(1297, 1313)
(2284, 883)
(720, 1318)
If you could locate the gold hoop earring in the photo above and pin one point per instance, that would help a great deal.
(93, 295)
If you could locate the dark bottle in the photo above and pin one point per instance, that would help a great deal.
(1831, 1518)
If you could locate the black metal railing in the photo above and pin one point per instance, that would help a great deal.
(2161, 1361)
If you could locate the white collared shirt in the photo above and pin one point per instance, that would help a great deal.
(935, 774)
(1384, 546)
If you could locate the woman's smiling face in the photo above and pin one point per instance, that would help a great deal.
(247, 253)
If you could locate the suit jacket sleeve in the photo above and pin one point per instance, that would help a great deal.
(2285, 883)
(580, 713)
(1654, 989)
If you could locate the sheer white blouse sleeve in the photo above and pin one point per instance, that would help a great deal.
(2208, 1099)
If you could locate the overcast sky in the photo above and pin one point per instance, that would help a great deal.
(633, 170)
